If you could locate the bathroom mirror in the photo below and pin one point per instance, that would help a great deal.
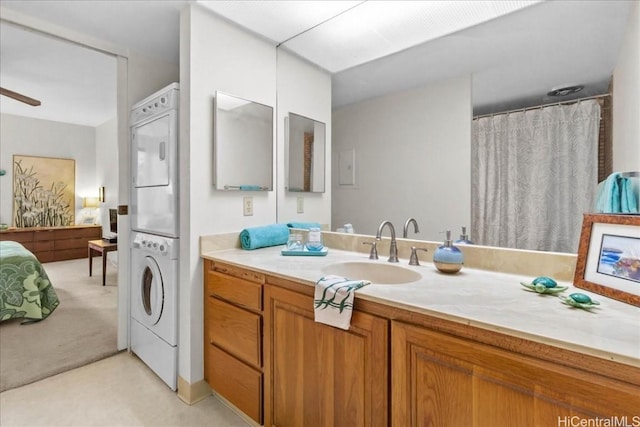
(243, 144)
(305, 154)
(353, 81)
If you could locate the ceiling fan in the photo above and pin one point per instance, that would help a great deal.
(19, 97)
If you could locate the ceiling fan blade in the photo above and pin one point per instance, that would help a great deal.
(19, 97)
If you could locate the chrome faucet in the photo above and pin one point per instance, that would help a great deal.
(393, 249)
(406, 227)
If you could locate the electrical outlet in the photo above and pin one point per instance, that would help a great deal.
(248, 206)
(300, 205)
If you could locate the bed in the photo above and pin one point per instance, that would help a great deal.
(25, 289)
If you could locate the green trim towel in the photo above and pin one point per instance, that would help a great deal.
(262, 237)
(333, 302)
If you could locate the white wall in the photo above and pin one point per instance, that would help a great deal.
(107, 168)
(412, 160)
(303, 89)
(44, 138)
(626, 98)
(214, 55)
(217, 55)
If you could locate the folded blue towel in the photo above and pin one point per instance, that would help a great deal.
(608, 200)
(251, 188)
(628, 198)
(304, 225)
(616, 195)
(262, 237)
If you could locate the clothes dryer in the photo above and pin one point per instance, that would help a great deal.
(154, 303)
(154, 150)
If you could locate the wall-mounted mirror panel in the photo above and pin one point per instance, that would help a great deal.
(504, 85)
(243, 144)
(305, 154)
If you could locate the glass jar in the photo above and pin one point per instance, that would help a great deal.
(294, 243)
(314, 240)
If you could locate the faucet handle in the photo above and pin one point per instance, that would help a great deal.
(374, 250)
(413, 260)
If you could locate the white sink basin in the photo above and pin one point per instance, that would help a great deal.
(379, 274)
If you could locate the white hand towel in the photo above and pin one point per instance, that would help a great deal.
(333, 300)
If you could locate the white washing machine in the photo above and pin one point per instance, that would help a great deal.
(154, 150)
(154, 304)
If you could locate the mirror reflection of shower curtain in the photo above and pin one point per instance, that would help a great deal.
(534, 174)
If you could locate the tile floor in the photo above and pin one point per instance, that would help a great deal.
(113, 392)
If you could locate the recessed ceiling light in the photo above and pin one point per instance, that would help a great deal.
(565, 91)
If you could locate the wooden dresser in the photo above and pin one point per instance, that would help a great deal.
(55, 243)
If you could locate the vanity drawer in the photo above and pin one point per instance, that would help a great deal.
(235, 290)
(238, 383)
(236, 330)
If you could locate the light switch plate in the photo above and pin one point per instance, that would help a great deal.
(247, 206)
(346, 167)
(300, 205)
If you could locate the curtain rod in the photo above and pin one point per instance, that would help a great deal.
(537, 107)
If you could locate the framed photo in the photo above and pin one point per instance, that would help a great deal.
(609, 256)
(88, 220)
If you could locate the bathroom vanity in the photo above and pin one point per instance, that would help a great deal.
(469, 349)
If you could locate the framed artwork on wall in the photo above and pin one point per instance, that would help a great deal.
(43, 191)
(609, 256)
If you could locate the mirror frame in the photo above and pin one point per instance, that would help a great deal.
(218, 181)
(288, 123)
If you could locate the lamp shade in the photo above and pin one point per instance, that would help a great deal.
(90, 202)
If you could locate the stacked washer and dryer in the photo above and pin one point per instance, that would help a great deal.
(155, 233)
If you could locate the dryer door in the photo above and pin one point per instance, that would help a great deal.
(151, 292)
(153, 144)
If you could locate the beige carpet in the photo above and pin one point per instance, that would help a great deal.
(81, 330)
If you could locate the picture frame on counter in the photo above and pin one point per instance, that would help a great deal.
(609, 256)
(88, 220)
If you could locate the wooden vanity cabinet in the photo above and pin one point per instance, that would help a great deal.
(442, 380)
(393, 366)
(318, 375)
(233, 363)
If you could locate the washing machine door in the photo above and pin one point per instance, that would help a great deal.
(150, 292)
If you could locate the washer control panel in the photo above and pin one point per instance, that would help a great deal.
(158, 245)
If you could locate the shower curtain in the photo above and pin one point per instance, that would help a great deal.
(534, 173)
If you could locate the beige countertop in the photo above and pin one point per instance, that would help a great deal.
(489, 300)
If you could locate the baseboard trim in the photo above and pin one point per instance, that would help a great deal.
(192, 393)
(235, 409)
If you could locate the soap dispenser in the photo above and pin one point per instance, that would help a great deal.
(464, 238)
(447, 258)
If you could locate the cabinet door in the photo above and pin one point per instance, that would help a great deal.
(439, 380)
(320, 375)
